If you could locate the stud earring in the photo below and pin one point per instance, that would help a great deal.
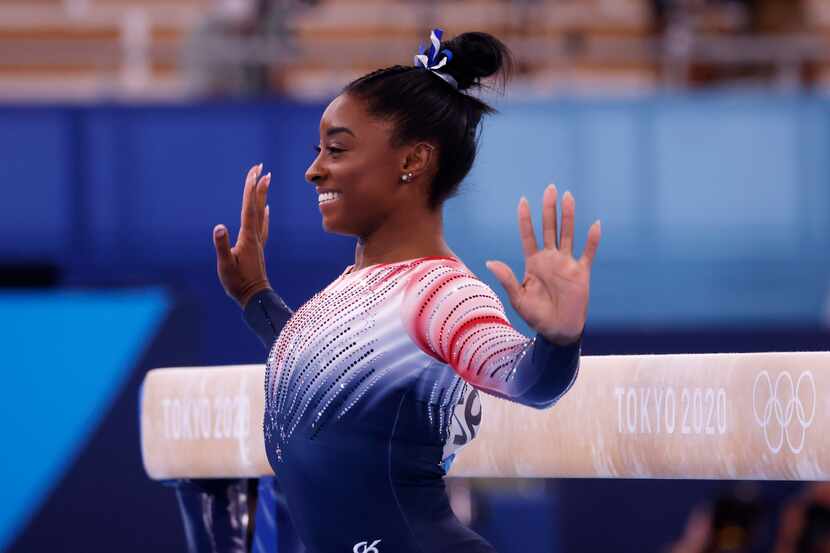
(406, 177)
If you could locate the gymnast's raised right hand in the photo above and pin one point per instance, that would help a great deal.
(241, 268)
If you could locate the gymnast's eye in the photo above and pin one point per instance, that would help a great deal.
(332, 150)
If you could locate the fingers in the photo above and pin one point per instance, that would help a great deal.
(262, 200)
(222, 244)
(549, 217)
(505, 276)
(594, 235)
(265, 222)
(249, 215)
(566, 236)
(526, 232)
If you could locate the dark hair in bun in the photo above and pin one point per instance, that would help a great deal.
(475, 57)
(425, 107)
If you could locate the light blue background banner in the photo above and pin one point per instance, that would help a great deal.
(715, 209)
(66, 356)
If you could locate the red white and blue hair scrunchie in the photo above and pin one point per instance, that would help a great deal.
(430, 61)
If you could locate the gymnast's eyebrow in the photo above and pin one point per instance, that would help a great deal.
(335, 130)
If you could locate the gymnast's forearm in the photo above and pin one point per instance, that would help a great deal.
(540, 376)
(266, 313)
(460, 320)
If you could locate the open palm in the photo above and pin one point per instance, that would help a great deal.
(553, 296)
(241, 268)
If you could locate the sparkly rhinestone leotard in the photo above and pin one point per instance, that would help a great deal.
(372, 386)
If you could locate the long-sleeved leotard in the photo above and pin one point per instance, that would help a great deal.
(371, 388)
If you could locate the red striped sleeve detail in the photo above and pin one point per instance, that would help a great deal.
(464, 343)
(499, 352)
(469, 324)
(483, 343)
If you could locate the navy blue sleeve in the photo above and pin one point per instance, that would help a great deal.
(266, 314)
(540, 373)
(546, 372)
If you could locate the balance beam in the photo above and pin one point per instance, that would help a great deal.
(747, 416)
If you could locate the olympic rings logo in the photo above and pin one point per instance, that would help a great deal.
(783, 404)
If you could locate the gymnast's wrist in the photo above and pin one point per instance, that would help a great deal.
(252, 290)
(564, 341)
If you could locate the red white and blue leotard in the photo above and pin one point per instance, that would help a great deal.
(371, 387)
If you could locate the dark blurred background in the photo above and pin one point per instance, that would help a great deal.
(697, 131)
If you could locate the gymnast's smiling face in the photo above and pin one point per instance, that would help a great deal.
(358, 171)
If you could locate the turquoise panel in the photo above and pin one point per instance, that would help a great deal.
(65, 357)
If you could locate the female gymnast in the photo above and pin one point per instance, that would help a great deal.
(372, 385)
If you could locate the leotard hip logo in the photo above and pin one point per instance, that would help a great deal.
(364, 547)
(777, 407)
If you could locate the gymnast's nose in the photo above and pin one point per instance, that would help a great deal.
(315, 171)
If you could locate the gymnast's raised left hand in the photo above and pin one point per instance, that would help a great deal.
(241, 268)
(553, 296)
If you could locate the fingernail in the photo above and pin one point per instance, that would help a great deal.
(260, 167)
(219, 232)
(268, 176)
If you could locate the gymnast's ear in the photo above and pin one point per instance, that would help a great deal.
(421, 159)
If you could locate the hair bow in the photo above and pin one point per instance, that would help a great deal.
(430, 61)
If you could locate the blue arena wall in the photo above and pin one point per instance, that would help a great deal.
(715, 208)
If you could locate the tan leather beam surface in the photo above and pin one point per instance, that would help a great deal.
(724, 416)
(203, 422)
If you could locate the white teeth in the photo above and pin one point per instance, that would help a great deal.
(328, 196)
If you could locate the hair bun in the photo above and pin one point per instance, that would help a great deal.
(476, 56)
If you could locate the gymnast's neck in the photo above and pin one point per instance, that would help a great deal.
(406, 236)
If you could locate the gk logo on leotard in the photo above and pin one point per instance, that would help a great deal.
(784, 410)
(364, 547)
